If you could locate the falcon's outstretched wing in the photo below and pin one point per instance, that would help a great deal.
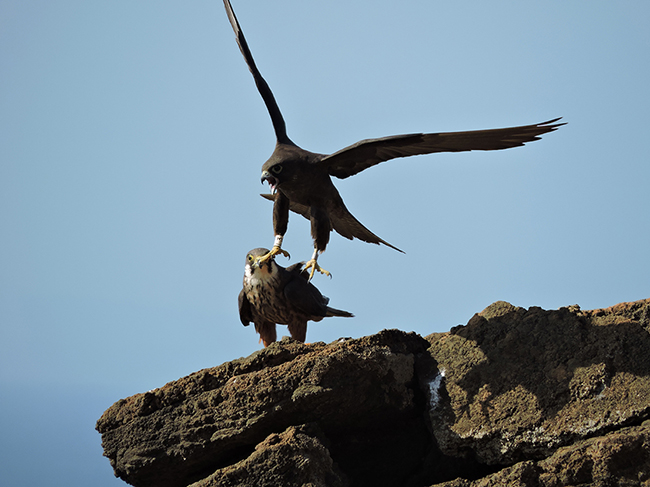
(366, 153)
(276, 117)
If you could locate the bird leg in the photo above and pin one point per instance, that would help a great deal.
(315, 267)
(298, 331)
(267, 332)
(277, 249)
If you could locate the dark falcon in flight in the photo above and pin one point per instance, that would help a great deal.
(275, 295)
(301, 180)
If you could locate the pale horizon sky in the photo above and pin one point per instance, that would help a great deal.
(131, 142)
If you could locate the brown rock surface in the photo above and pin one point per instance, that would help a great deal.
(361, 393)
(525, 397)
(521, 383)
(292, 458)
(620, 458)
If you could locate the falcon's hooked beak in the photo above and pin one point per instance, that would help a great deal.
(273, 182)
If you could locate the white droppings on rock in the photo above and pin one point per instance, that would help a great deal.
(434, 388)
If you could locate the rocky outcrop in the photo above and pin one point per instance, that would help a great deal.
(515, 397)
(358, 399)
(620, 458)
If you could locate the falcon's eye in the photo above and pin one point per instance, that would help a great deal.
(277, 169)
(249, 257)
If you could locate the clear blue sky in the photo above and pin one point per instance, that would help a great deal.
(131, 142)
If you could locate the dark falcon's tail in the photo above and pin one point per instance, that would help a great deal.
(338, 312)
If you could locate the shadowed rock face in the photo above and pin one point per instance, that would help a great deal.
(520, 383)
(361, 395)
(521, 397)
(620, 458)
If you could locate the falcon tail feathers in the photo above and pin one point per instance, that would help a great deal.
(349, 227)
(338, 312)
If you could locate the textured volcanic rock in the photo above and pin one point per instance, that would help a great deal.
(620, 458)
(515, 397)
(293, 458)
(363, 395)
(520, 383)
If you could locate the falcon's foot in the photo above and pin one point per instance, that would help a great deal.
(315, 267)
(272, 253)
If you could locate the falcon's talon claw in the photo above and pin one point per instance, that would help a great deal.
(315, 267)
(272, 253)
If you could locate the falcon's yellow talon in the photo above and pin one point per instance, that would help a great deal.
(315, 267)
(272, 253)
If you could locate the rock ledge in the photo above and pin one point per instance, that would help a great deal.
(515, 397)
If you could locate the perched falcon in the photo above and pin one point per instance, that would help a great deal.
(275, 295)
(301, 180)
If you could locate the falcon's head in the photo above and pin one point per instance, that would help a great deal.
(285, 167)
(255, 270)
(273, 175)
